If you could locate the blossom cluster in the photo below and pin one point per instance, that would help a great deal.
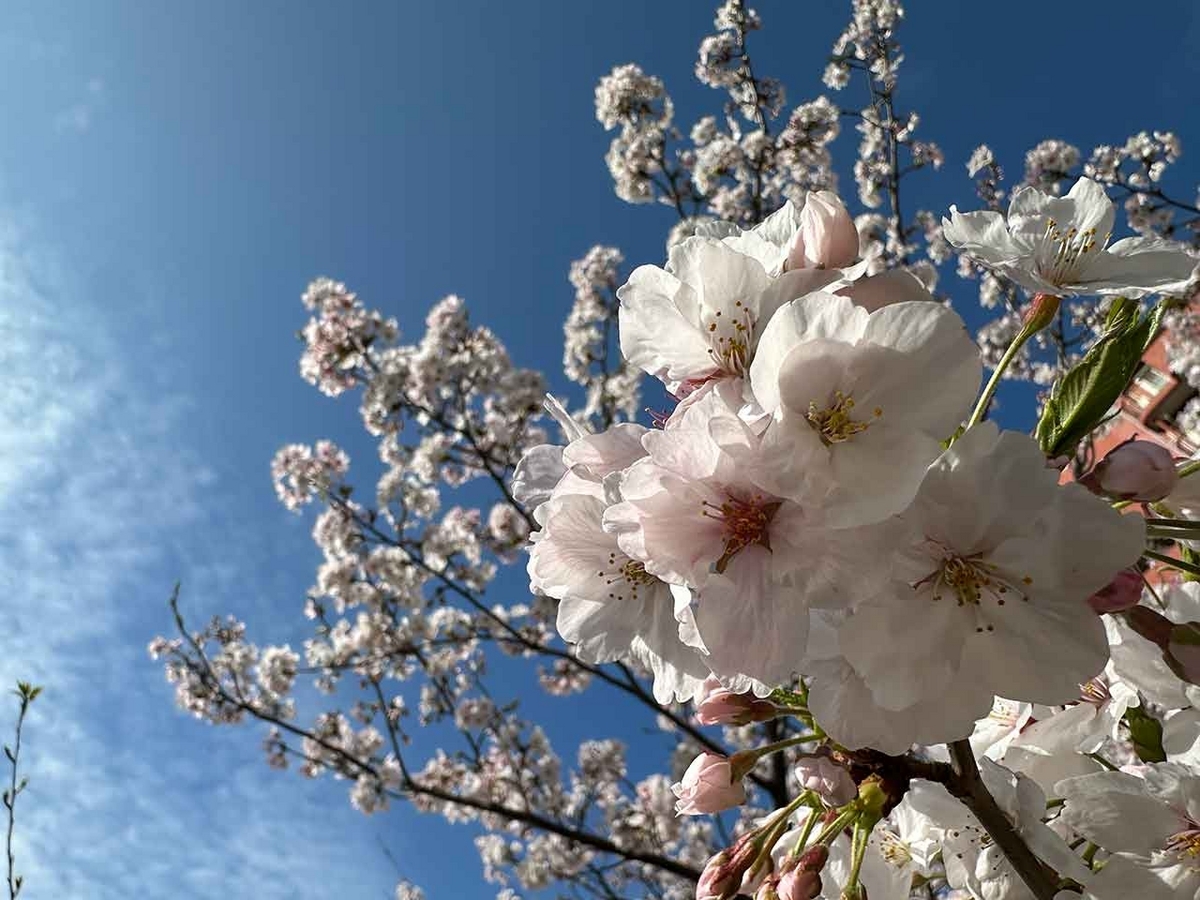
(825, 528)
(883, 651)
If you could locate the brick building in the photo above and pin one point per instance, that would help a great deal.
(1148, 408)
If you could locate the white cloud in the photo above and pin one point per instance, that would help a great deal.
(78, 117)
(102, 505)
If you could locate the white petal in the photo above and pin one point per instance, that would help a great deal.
(1137, 266)
(1113, 810)
(983, 234)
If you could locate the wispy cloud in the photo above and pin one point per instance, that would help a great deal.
(78, 117)
(102, 505)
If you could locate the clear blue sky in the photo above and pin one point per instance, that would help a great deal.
(172, 174)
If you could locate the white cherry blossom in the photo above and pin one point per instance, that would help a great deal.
(1149, 820)
(994, 567)
(1059, 245)
(694, 514)
(698, 321)
(973, 861)
(901, 846)
(610, 607)
(868, 395)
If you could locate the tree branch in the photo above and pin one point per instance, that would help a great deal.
(966, 783)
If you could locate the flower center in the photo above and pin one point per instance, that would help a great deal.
(1095, 692)
(894, 850)
(1186, 843)
(1064, 254)
(834, 423)
(730, 339)
(745, 523)
(973, 581)
(627, 576)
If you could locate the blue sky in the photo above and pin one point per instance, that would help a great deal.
(172, 176)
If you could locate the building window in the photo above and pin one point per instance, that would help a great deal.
(1148, 382)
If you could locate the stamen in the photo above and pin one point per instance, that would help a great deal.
(628, 576)
(1095, 692)
(1187, 842)
(893, 850)
(972, 580)
(1063, 255)
(745, 524)
(730, 341)
(834, 423)
(658, 417)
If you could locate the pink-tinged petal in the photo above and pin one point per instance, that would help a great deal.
(655, 303)
(708, 787)
(609, 451)
(827, 237)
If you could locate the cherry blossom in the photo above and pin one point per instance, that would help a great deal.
(712, 302)
(869, 643)
(694, 514)
(1147, 820)
(968, 577)
(1059, 245)
(861, 400)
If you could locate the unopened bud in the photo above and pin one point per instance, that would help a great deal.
(722, 875)
(768, 890)
(800, 885)
(721, 706)
(711, 784)
(1041, 312)
(1120, 594)
(827, 779)
(1136, 470)
(827, 238)
(716, 882)
(813, 859)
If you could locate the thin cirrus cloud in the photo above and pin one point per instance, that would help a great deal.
(79, 116)
(101, 507)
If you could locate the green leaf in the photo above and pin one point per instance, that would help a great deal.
(1145, 732)
(1188, 555)
(1081, 399)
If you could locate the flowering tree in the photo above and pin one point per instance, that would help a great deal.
(932, 665)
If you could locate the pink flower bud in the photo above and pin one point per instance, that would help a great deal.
(722, 875)
(720, 706)
(708, 787)
(768, 890)
(813, 859)
(1136, 470)
(1120, 594)
(827, 238)
(800, 885)
(827, 779)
